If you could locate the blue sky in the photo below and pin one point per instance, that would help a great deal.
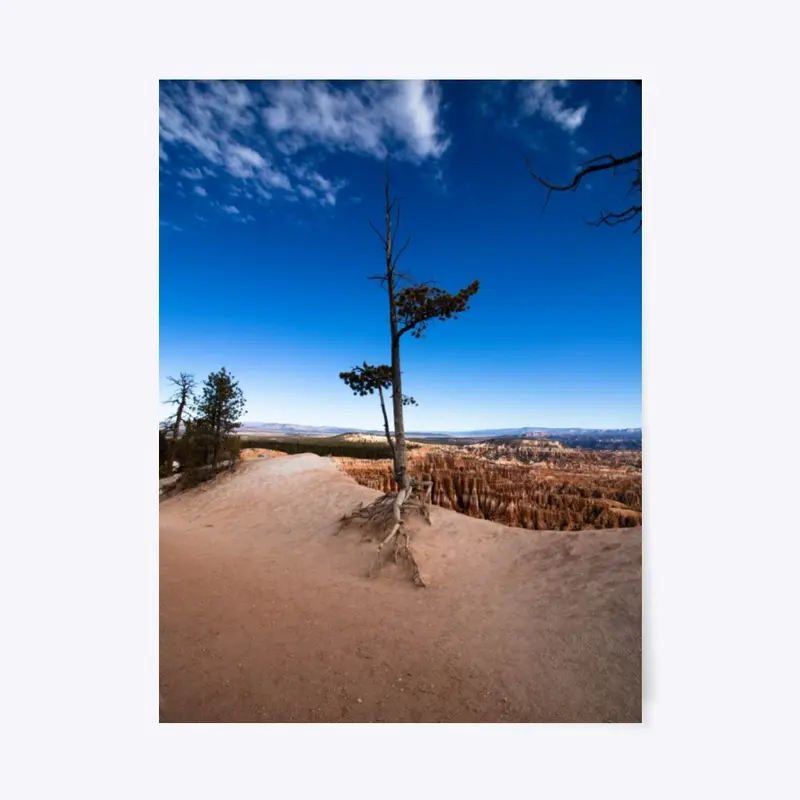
(266, 189)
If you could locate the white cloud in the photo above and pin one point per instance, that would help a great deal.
(500, 101)
(275, 179)
(229, 209)
(539, 97)
(312, 185)
(211, 119)
(243, 162)
(440, 181)
(259, 136)
(265, 194)
(201, 191)
(367, 118)
(241, 191)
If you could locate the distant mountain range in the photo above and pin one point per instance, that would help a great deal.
(284, 429)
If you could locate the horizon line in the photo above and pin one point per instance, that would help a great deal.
(505, 427)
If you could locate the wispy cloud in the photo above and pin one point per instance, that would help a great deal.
(513, 102)
(212, 119)
(312, 185)
(200, 191)
(492, 96)
(229, 209)
(499, 101)
(171, 225)
(265, 136)
(369, 118)
(439, 180)
(265, 194)
(621, 93)
(542, 98)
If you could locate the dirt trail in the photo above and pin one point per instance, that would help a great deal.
(266, 616)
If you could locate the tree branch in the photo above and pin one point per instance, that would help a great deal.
(378, 233)
(609, 162)
(406, 329)
(628, 215)
(599, 164)
(403, 276)
(402, 250)
(386, 423)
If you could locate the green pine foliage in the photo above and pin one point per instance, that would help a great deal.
(217, 413)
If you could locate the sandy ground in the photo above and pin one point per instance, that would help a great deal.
(267, 616)
(259, 452)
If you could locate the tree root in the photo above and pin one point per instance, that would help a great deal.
(404, 551)
(390, 510)
(378, 514)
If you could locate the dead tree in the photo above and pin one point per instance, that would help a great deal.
(182, 398)
(603, 164)
(411, 309)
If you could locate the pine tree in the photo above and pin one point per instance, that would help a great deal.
(368, 379)
(218, 411)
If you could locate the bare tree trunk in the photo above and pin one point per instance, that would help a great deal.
(181, 398)
(386, 424)
(215, 454)
(175, 431)
(401, 475)
(397, 388)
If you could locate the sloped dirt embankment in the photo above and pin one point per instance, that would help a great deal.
(265, 615)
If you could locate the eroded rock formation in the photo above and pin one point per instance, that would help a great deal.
(567, 489)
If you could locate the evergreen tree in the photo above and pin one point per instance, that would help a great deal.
(368, 379)
(218, 411)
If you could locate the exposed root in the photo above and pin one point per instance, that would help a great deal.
(378, 560)
(403, 550)
(392, 509)
(378, 514)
